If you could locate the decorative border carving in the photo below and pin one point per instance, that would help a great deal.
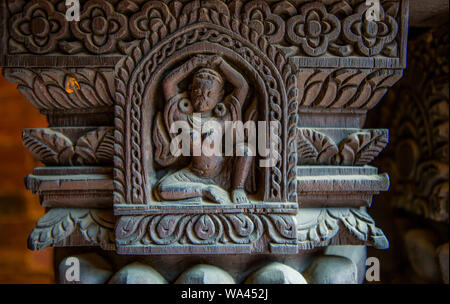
(226, 232)
(335, 28)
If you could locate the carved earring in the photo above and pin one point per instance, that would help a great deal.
(185, 106)
(220, 110)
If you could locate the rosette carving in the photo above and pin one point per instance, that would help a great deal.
(371, 36)
(38, 27)
(258, 16)
(100, 27)
(313, 29)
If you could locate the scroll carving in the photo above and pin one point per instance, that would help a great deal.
(206, 229)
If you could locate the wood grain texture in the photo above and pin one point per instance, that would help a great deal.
(112, 84)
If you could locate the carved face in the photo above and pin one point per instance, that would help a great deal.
(206, 92)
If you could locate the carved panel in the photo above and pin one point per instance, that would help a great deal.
(265, 62)
(225, 230)
(338, 28)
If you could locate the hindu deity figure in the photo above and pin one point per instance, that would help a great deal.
(215, 177)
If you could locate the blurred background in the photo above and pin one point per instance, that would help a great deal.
(19, 209)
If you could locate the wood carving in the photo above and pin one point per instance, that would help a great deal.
(177, 233)
(337, 27)
(96, 226)
(96, 147)
(357, 149)
(46, 89)
(319, 226)
(205, 176)
(344, 88)
(114, 83)
(54, 148)
(48, 146)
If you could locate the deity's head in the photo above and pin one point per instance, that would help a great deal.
(207, 90)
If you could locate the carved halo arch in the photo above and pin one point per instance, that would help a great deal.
(139, 75)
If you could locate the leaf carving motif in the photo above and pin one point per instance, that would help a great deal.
(315, 147)
(46, 90)
(95, 147)
(48, 146)
(96, 226)
(318, 227)
(54, 148)
(359, 148)
(362, 147)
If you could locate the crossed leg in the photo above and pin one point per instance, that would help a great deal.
(184, 184)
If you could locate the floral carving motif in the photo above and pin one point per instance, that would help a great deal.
(258, 16)
(314, 29)
(100, 27)
(371, 36)
(154, 18)
(38, 27)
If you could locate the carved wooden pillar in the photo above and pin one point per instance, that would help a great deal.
(112, 83)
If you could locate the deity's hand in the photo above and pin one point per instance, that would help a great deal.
(200, 60)
(211, 61)
(215, 60)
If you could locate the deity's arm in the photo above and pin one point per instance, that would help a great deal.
(236, 79)
(171, 82)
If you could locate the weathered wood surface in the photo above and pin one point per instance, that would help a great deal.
(111, 84)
